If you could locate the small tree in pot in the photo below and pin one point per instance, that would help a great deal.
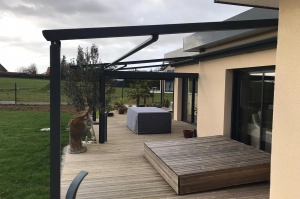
(166, 103)
(120, 106)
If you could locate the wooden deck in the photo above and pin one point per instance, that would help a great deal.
(201, 164)
(118, 169)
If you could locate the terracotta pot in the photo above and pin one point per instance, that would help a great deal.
(188, 133)
(121, 110)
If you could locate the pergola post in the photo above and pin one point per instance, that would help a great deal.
(102, 116)
(162, 92)
(55, 119)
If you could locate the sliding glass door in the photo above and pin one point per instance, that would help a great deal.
(253, 98)
(189, 100)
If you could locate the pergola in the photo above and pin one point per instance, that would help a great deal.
(55, 37)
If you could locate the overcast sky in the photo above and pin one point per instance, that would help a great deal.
(22, 22)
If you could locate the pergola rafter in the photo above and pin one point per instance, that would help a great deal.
(132, 31)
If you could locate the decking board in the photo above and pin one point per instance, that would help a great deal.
(118, 169)
(200, 164)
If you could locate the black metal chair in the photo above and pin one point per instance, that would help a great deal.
(72, 191)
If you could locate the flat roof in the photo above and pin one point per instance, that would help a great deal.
(194, 42)
(270, 4)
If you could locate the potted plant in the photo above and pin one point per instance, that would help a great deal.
(121, 107)
(188, 133)
(166, 103)
(109, 109)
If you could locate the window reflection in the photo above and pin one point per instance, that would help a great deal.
(255, 108)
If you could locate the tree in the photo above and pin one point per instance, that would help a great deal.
(148, 83)
(80, 57)
(139, 89)
(31, 69)
(82, 84)
(64, 67)
(94, 55)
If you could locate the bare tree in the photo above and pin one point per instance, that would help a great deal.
(31, 69)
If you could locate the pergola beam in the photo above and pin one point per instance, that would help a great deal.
(139, 67)
(125, 63)
(148, 75)
(146, 43)
(173, 59)
(131, 31)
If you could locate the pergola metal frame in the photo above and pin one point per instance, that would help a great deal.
(146, 43)
(173, 59)
(55, 37)
(142, 67)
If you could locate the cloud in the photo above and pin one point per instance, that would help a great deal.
(95, 13)
(22, 21)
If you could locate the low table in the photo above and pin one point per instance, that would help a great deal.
(148, 120)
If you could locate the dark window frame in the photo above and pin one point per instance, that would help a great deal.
(234, 134)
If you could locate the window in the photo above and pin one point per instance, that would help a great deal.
(253, 98)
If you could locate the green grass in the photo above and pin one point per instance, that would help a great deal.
(118, 94)
(28, 90)
(25, 153)
(37, 90)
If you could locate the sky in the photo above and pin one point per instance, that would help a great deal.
(22, 22)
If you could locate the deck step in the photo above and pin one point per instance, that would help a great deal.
(199, 164)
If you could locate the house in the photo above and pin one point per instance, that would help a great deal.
(235, 94)
(48, 71)
(233, 67)
(2, 69)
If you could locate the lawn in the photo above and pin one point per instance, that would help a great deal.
(28, 90)
(156, 99)
(25, 153)
(37, 90)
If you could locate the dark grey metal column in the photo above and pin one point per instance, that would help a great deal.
(162, 92)
(123, 89)
(262, 144)
(193, 100)
(94, 115)
(102, 110)
(55, 119)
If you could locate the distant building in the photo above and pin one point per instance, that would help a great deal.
(168, 84)
(2, 69)
(48, 71)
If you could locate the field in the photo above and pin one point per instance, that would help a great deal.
(37, 90)
(156, 99)
(28, 90)
(24, 151)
